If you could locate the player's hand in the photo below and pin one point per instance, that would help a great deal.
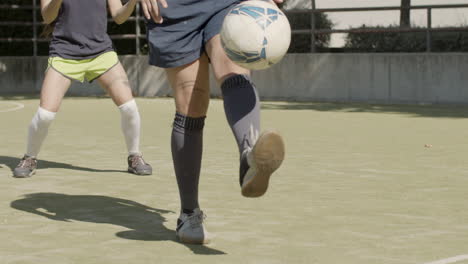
(151, 9)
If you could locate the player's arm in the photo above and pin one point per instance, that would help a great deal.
(120, 13)
(151, 9)
(50, 10)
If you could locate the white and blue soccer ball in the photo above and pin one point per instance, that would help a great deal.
(255, 34)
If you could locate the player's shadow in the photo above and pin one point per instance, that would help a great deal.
(145, 223)
(12, 162)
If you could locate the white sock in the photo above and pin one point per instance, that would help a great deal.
(38, 130)
(130, 123)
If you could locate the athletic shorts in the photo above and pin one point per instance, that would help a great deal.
(88, 69)
(187, 26)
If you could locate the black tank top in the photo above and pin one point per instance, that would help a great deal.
(80, 30)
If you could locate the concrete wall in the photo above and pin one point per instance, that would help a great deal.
(386, 78)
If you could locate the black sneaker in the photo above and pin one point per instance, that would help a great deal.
(26, 168)
(257, 164)
(138, 166)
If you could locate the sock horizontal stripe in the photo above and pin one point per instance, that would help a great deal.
(189, 123)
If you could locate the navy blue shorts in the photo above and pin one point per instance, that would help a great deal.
(187, 26)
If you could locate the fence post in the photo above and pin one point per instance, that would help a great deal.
(34, 28)
(34, 40)
(312, 28)
(137, 29)
(428, 30)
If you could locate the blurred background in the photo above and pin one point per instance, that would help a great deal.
(388, 51)
(338, 26)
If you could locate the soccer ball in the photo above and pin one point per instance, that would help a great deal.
(255, 34)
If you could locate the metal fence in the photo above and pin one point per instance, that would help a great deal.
(429, 29)
(36, 22)
(313, 31)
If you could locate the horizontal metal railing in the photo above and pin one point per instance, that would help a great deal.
(429, 29)
(313, 31)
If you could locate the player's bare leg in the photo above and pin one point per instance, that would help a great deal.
(54, 87)
(191, 92)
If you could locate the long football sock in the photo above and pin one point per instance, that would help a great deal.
(38, 130)
(187, 148)
(130, 124)
(242, 108)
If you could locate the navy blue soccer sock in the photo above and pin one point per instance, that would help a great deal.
(187, 147)
(242, 108)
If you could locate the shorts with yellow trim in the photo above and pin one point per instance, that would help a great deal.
(89, 69)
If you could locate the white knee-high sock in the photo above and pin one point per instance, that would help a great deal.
(130, 123)
(38, 130)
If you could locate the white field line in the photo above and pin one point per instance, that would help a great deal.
(449, 260)
(16, 106)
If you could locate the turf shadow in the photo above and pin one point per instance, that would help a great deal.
(413, 110)
(144, 223)
(12, 162)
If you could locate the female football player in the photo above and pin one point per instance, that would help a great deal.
(81, 49)
(184, 39)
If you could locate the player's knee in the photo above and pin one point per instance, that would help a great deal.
(229, 69)
(232, 72)
(192, 100)
(129, 108)
(193, 109)
(200, 98)
(44, 116)
(118, 82)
